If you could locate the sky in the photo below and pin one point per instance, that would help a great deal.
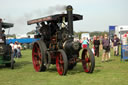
(98, 15)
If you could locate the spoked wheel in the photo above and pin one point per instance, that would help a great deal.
(88, 60)
(38, 57)
(61, 62)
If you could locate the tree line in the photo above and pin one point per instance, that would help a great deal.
(97, 33)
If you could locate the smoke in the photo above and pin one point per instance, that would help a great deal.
(57, 8)
(20, 22)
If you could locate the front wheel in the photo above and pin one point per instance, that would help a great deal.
(88, 60)
(61, 62)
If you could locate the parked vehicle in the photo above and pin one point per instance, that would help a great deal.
(5, 49)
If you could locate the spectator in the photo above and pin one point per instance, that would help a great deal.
(106, 48)
(115, 45)
(15, 46)
(94, 38)
(3, 36)
(101, 39)
(12, 45)
(84, 43)
(96, 46)
(19, 47)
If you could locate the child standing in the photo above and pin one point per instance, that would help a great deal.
(84, 43)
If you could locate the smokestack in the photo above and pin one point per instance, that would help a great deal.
(70, 19)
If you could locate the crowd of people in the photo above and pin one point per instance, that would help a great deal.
(16, 49)
(102, 43)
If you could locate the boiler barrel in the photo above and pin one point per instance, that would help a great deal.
(72, 47)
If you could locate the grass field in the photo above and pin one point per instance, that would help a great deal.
(114, 72)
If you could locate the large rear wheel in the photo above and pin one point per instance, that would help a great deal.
(38, 54)
(61, 62)
(88, 60)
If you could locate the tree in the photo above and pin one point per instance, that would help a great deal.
(11, 35)
(31, 32)
(97, 33)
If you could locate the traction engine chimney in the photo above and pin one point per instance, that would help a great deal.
(70, 19)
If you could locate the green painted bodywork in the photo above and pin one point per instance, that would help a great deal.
(5, 51)
(5, 55)
(6, 60)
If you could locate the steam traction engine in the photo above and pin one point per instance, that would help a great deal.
(57, 45)
(5, 49)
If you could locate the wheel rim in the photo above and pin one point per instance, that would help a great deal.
(86, 62)
(60, 64)
(36, 57)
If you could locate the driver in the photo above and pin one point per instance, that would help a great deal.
(3, 36)
(54, 27)
(45, 31)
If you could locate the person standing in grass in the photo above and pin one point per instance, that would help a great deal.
(106, 48)
(115, 45)
(101, 39)
(11, 44)
(15, 46)
(93, 47)
(19, 47)
(85, 43)
(96, 46)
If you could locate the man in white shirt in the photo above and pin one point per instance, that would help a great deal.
(12, 45)
(18, 49)
(15, 47)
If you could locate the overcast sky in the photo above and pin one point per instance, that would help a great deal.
(98, 14)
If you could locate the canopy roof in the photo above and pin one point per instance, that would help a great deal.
(58, 18)
(6, 25)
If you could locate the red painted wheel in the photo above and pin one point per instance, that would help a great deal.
(37, 58)
(88, 60)
(61, 62)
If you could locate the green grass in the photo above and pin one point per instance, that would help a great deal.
(114, 72)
